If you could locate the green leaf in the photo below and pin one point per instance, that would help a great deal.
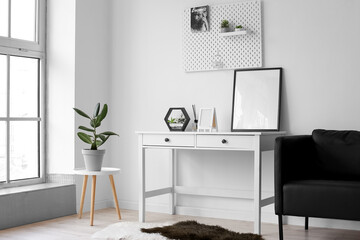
(102, 137)
(96, 110)
(109, 133)
(98, 143)
(92, 123)
(86, 129)
(81, 113)
(102, 114)
(104, 140)
(84, 137)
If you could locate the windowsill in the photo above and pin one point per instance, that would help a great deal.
(30, 188)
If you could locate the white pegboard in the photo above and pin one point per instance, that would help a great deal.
(242, 51)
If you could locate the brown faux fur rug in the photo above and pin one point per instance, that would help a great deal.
(191, 230)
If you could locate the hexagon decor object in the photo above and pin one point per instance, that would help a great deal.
(177, 119)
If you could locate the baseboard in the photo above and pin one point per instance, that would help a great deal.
(97, 205)
(244, 215)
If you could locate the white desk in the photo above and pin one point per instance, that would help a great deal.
(222, 141)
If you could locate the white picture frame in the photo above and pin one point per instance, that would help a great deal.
(207, 120)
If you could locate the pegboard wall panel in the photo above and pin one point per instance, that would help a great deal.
(202, 49)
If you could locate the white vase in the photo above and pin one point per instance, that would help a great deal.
(93, 159)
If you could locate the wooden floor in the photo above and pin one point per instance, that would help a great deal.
(71, 227)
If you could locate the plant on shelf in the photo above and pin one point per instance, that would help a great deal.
(239, 28)
(93, 157)
(225, 26)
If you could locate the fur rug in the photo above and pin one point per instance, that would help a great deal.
(191, 230)
(187, 230)
(129, 231)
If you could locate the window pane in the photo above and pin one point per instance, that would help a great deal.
(24, 160)
(23, 87)
(2, 151)
(4, 16)
(23, 19)
(3, 84)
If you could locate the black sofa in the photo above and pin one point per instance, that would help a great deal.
(318, 175)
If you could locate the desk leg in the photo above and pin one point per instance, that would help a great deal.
(257, 187)
(115, 196)
(142, 181)
(83, 195)
(172, 200)
(93, 187)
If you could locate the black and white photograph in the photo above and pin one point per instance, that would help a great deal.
(200, 19)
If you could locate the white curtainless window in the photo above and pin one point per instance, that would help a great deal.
(22, 92)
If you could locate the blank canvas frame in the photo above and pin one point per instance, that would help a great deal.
(256, 100)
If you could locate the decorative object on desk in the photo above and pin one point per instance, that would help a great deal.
(200, 19)
(196, 231)
(225, 26)
(195, 123)
(256, 100)
(207, 120)
(93, 157)
(239, 28)
(177, 119)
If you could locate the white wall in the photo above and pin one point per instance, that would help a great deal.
(60, 85)
(92, 81)
(78, 76)
(316, 42)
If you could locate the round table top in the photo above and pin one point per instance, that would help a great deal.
(104, 171)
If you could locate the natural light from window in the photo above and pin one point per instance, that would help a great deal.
(23, 87)
(23, 19)
(4, 18)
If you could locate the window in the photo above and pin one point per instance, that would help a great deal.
(22, 78)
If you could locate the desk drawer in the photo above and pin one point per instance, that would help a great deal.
(225, 141)
(169, 140)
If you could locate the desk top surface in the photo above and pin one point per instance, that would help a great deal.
(213, 133)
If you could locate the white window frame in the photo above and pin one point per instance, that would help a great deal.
(23, 48)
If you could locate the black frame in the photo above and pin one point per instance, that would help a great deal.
(186, 115)
(279, 101)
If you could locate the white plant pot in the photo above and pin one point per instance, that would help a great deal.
(93, 159)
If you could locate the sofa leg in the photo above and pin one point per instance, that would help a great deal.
(306, 223)
(281, 236)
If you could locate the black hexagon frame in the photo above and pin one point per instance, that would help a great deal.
(183, 121)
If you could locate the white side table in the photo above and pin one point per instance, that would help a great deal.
(104, 171)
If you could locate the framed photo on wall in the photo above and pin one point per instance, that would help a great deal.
(256, 100)
(199, 19)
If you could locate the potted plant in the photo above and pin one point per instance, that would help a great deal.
(225, 26)
(239, 28)
(93, 157)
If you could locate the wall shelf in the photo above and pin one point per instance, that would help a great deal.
(234, 33)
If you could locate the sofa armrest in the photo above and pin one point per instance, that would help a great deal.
(294, 160)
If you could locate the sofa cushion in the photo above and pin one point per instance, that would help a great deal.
(338, 153)
(322, 198)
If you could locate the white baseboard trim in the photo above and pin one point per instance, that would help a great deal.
(98, 205)
(244, 215)
(202, 212)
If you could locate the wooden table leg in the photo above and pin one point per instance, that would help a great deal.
(83, 195)
(115, 196)
(93, 186)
